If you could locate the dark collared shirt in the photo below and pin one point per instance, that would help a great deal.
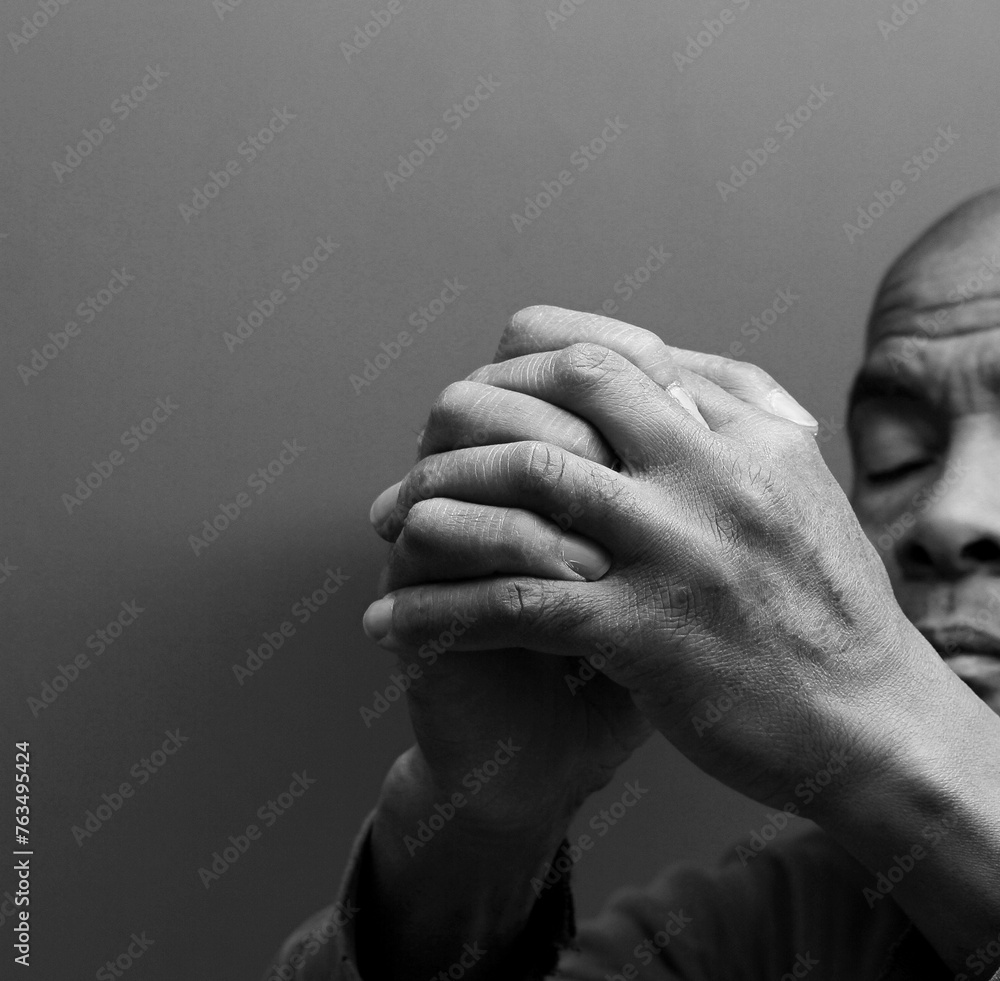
(802, 908)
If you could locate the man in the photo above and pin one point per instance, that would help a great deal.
(594, 491)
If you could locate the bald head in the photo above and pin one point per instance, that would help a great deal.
(948, 281)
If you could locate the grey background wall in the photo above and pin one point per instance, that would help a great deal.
(211, 77)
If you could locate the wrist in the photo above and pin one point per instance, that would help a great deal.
(438, 879)
(414, 798)
(922, 812)
(918, 742)
(418, 815)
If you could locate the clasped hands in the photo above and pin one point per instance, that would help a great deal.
(594, 483)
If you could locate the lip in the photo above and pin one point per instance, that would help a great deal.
(956, 639)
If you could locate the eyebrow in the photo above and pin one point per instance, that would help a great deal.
(879, 382)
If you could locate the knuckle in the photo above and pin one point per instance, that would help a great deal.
(520, 602)
(534, 463)
(725, 528)
(581, 365)
(676, 603)
(611, 493)
(683, 609)
(753, 506)
(531, 605)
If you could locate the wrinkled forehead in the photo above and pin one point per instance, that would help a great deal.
(947, 282)
(940, 292)
(934, 330)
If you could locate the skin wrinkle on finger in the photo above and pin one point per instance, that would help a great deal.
(552, 469)
(505, 607)
(587, 369)
(443, 536)
(533, 607)
(484, 475)
(483, 402)
(473, 414)
(539, 416)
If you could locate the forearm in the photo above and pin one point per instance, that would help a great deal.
(927, 826)
(448, 891)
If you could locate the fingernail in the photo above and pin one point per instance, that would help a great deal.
(782, 404)
(383, 504)
(584, 557)
(378, 619)
(678, 391)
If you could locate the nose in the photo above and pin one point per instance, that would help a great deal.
(956, 531)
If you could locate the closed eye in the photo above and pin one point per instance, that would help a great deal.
(894, 438)
(897, 472)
